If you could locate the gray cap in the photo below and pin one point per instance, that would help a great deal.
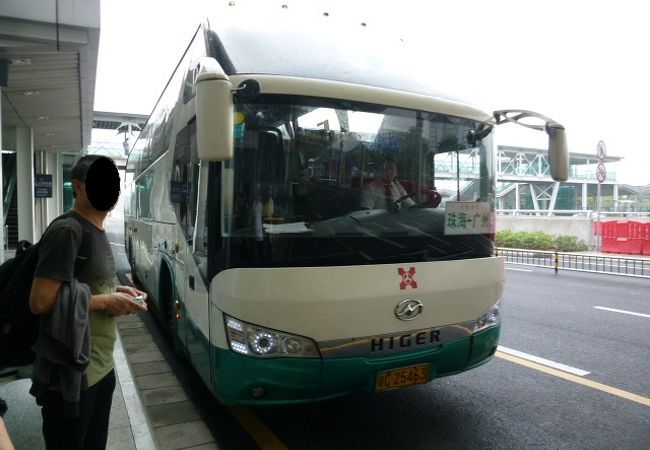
(80, 168)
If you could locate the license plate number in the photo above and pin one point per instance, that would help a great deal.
(404, 376)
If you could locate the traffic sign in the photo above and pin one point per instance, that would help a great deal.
(601, 172)
(601, 151)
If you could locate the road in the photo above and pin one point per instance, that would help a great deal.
(511, 402)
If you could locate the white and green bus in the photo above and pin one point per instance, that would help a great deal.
(245, 216)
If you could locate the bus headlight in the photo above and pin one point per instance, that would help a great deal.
(489, 319)
(259, 342)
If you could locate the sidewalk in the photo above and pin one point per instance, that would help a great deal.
(150, 407)
(128, 430)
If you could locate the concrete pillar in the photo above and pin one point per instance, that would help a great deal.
(2, 198)
(53, 160)
(517, 198)
(40, 210)
(58, 175)
(25, 183)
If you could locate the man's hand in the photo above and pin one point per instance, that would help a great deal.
(117, 304)
(133, 292)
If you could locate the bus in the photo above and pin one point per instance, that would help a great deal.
(247, 220)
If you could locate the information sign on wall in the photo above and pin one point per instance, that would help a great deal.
(43, 186)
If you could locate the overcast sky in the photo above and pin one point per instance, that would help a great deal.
(582, 63)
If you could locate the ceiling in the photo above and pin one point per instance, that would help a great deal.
(51, 73)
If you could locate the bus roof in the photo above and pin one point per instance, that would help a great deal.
(281, 41)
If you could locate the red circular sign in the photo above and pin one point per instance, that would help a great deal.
(601, 172)
(601, 151)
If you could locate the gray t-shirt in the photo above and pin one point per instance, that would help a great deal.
(57, 253)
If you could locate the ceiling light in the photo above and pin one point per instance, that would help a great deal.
(43, 118)
(20, 61)
(29, 93)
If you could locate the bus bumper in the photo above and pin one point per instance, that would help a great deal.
(243, 380)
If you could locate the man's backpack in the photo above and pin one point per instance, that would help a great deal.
(18, 325)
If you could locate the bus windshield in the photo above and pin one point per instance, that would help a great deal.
(332, 182)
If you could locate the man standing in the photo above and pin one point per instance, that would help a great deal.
(96, 186)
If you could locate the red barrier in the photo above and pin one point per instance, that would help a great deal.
(624, 236)
(646, 241)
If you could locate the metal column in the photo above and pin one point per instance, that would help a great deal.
(53, 161)
(25, 183)
(2, 197)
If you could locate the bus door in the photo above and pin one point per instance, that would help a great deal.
(194, 308)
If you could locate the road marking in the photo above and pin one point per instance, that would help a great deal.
(518, 270)
(119, 245)
(256, 429)
(622, 311)
(545, 362)
(570, 377)
(142, 433)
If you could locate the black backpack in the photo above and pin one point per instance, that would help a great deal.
(18, 326)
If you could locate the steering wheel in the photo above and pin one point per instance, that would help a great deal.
(432, 202)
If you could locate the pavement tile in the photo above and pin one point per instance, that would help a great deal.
(161, 396)
(140, 331)
(146, 356)
(183, 435)
(149, 368)
(172, 413)
(129, 318)
(137, 338)
(130, 324)
(133, 347)
(157, 380)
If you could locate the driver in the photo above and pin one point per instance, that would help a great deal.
(382, 192)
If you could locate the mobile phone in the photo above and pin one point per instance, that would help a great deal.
(138, 299)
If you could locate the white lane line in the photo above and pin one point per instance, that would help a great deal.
(119, 245)
(518, 270)
(622, 311)
(140, 427)
(545, 362)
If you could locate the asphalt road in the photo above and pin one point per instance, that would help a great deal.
(503, 404)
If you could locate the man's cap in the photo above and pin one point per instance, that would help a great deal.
(80, 168)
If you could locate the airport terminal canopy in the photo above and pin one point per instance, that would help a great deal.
(50, 53)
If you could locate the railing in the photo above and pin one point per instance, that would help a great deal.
(574, 213)
(615, 265)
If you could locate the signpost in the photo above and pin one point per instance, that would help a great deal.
(601, 176)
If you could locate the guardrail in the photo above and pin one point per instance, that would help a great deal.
(615, 265)
(575, 213)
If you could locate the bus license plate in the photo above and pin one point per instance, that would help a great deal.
(405, 376)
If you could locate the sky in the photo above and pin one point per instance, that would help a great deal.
(584, 64)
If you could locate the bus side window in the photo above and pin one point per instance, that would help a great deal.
(184, 180)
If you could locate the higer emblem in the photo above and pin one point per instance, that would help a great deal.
(408, 278)
(408, 309)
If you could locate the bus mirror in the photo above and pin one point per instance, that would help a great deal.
(558, 153)
(214, 115)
